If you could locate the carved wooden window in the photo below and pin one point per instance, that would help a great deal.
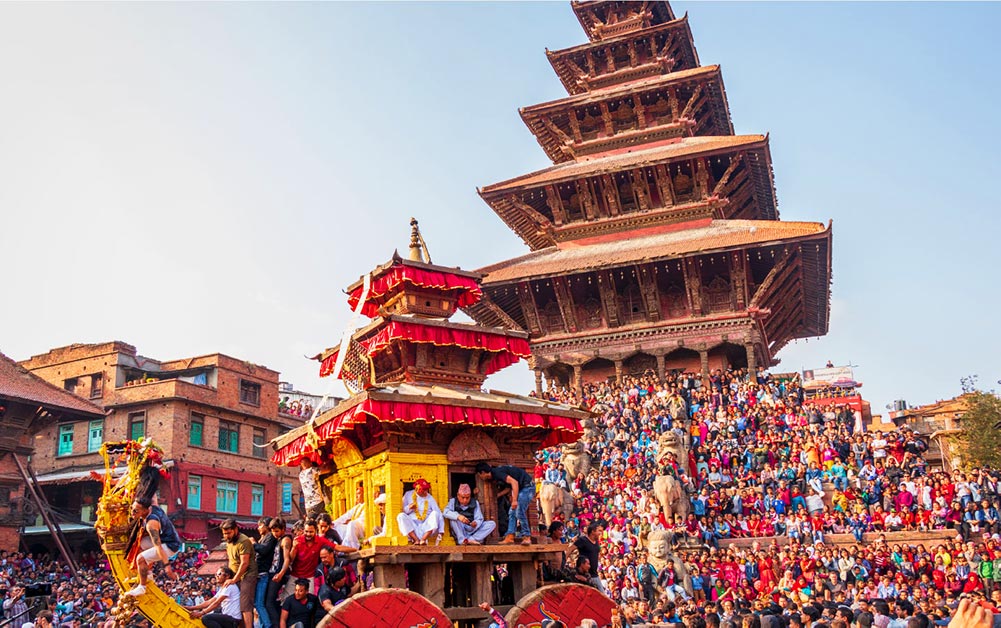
(674, 301)
(633, 308)
(624, 118)
(660, 112)
(591, 126)
(590, 314)
(552, 319)
(627, 200)
(574, 207)
(684, 186)
(719, 295)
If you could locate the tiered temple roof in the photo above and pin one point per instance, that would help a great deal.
(655, 236)
(413, 370)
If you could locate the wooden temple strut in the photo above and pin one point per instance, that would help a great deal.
(28, 475)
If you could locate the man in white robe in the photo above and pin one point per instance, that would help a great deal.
(421, 517)
(380, 530)
(351, 525)
(466, 519)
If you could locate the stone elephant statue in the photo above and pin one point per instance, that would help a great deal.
(575, 460)
(555, 499)
(672, 497)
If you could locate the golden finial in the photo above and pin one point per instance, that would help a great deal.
(418, 248)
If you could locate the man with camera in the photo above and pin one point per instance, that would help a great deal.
(14, 607)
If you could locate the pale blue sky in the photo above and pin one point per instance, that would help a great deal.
(194, 178)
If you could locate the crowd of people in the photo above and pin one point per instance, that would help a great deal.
(764, 461)
(295, 407)
(39, 586)
(760, 462)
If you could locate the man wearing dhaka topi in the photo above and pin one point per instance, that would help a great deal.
(421, 516)
(466, 519)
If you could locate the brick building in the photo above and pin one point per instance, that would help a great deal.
(27, 404)
(212, 414)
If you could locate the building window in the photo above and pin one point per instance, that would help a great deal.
(65, 440)
(256, 500)
(250, 393)
(137, 425)
(194, 492)
(229, 437)
(197, 429)
(97, 386)
(95, 435)
(260, 437)
(225, 496)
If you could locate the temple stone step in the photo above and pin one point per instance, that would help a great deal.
(928, 538)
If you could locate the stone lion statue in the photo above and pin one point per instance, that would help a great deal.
(575, 459)
(670, 441)
(661, 558)
(668, 489)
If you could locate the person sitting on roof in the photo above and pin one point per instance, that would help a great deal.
(421, 516)
(466, 519)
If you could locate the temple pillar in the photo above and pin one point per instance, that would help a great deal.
(704, 358)
(752, 362)
(661, 363)
(538, 382)
(578, 379)
(618, 371)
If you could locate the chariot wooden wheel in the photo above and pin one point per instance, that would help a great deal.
(567, 603)
(386, 608)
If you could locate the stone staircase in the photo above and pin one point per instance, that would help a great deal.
(929, 539)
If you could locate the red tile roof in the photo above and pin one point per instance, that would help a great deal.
(649, 245)
(620, 89)
(19, 384)
(686, 147)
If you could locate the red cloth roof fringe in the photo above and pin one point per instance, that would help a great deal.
(564, 429)
(469, 289)
(505, 350)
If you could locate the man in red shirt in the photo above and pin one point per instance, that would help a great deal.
(305, 555)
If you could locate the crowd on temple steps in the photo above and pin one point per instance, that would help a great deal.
(760, 450)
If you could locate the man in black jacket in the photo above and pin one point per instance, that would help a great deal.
(265, 550)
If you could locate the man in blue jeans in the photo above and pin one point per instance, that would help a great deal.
(522, 494)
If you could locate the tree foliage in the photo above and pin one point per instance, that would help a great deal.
(980, 426)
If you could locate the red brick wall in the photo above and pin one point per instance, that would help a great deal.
(168, 406)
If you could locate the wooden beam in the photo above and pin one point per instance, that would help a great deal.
(528, 307)
(499, 312)
(725, 179)
(609, 297)
(689, 107)
(693, 286)
(564, 298)
(648, 288)
(779, 268)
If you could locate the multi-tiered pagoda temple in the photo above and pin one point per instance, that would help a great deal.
(655, 236)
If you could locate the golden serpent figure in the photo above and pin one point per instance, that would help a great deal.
(113, 526)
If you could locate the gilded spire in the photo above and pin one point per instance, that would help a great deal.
(418, 249)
